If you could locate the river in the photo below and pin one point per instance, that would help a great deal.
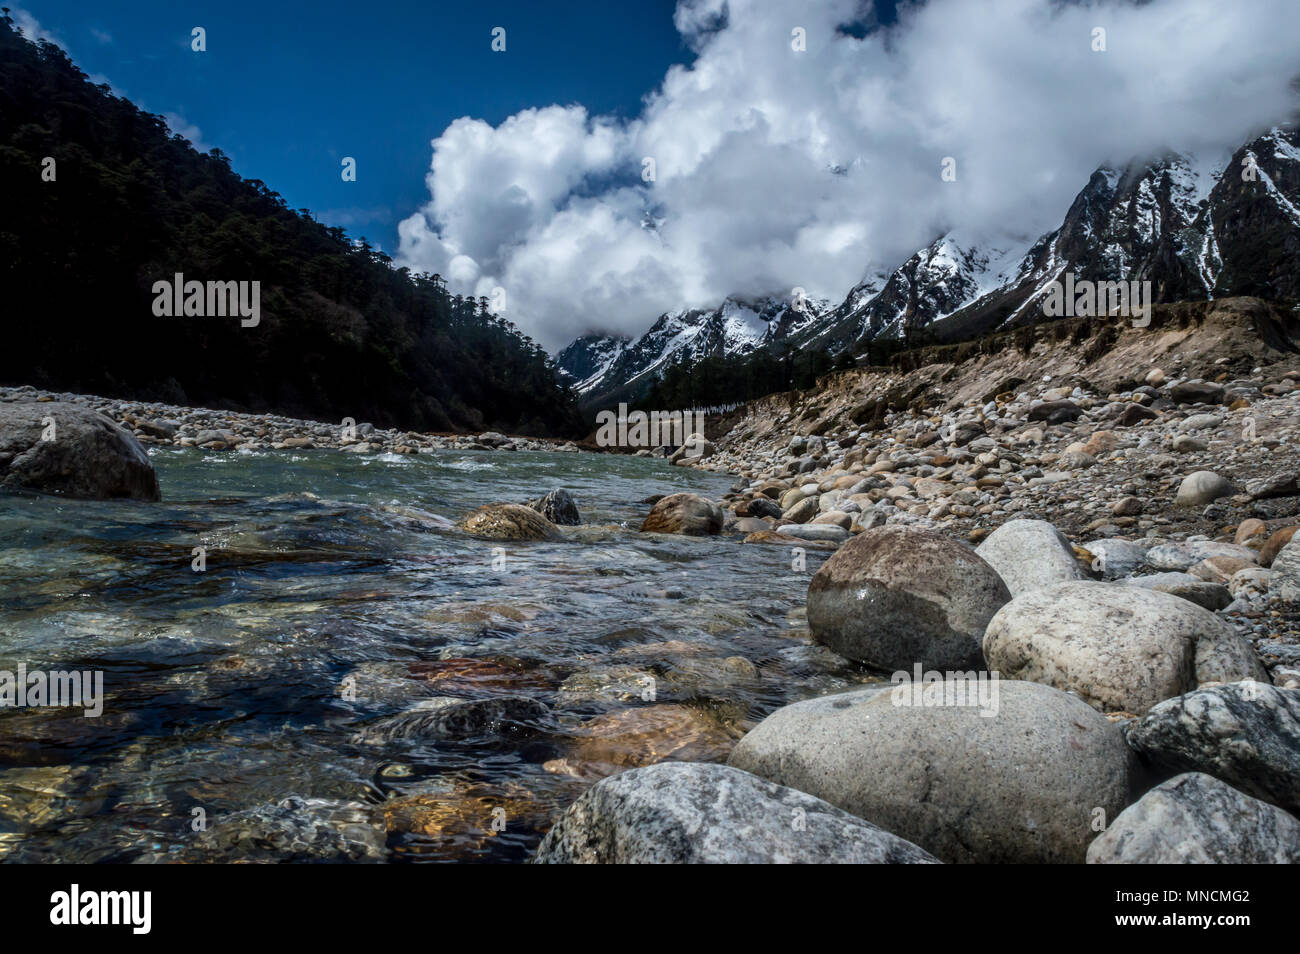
(334, 596)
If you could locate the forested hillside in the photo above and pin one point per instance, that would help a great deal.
(342, 333)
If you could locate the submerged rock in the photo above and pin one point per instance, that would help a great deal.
(297, 829)
(448, 717)
(697, 813)
(72, 451)
(510, 522)
(688, 514)
(1196, 819)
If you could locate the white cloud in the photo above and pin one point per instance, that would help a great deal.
(777, 168)
(181, 126)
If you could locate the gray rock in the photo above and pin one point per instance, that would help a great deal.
(1201, 488)
(1245, 733)
(1120, 648)
(1196, 819)
(1185, 555)
(72, 451)
(295, 830)
(1210, 596)
(699, 813)
(1019, 785)
(1285, 582)
(1055, 412)
(559, 507)
(1029, 555)
(1281, 484)
(1114, 558)
(895, 596)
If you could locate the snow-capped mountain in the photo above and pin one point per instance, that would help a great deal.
(1195, 226)
(609, 367)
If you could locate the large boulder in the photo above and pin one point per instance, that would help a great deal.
(510, 522)
(1018, 780)
(1246, 733)
(1030, 554)
(559, 507)
(1196, 819)
(1120, 648)
(699, 813)
(895, 596)
(73, 451)
(690, 514)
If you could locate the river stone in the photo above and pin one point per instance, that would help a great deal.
(1114, 558)
(559, 507)
(1197, 819)
(1210, 596)
(1183, 556)
(88, 456)
(1245, 733)
(448, 717)
(688, 514)
(510, 522)
(296, 829)
(1285, 582)
(1020, 785)
(1274, 544)
(1055, 412)
(895, 596)
(801, 512)
(1197, 392)
(698, 813)
(1120, 648)
(1201, 488)
(828, 532)
(1030, 554)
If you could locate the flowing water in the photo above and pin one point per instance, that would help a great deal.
(248, 708)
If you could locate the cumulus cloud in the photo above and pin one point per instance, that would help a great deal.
(777, 168)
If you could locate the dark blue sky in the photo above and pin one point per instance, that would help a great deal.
(288, 90)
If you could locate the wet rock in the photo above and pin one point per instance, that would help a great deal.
(72, 451)
(295, 830)
(688, 514)
(1196, 819)
(1016, 786)
(1201, 488)
(446, 717)
(1030, 554)
(1245, 733)
(510, 522)
(559, 507)
(1120, 648)
(643, 735)
(893, 596)
(695, 813)
(814, 531)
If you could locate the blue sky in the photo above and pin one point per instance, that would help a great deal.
(287, 90)
(789, 153)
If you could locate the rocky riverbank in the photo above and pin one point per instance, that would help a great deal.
(1105, 527)
(169, 425)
